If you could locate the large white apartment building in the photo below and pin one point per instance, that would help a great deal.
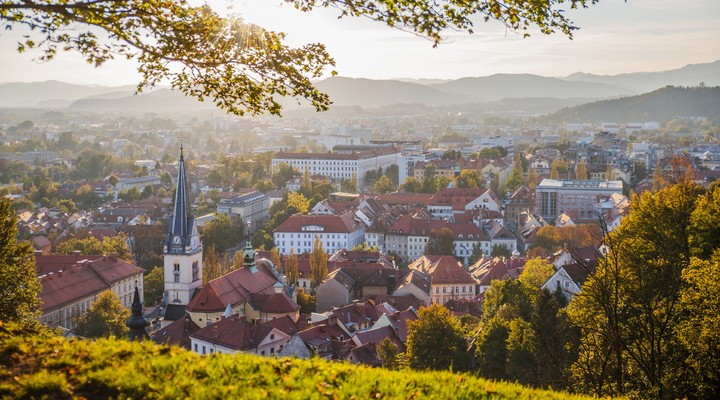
(336, 232)
(339, 166)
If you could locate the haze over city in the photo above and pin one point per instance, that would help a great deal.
(614, 37)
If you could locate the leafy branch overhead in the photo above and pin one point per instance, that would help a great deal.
(431, 18)
(241, 67)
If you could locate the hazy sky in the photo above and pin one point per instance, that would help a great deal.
(614, 37)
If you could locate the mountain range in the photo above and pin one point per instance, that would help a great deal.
(540, 94)
(659, 105)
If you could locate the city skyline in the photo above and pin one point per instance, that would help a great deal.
(614, 37)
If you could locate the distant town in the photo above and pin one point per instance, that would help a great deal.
(324, 236)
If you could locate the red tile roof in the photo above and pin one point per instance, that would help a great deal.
(234, 288)
(177, 333)
(448, 270)
(458, 198)
(375, 336)
(275, 303)
(284, 324)
(234, 333)
(81, 280)
(409, 199)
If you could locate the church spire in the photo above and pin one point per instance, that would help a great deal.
(181, 223)
(137, 323)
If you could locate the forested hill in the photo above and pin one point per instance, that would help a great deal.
(39, 366)
(660, 105)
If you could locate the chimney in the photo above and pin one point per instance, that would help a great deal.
(37, 253)
(76, 252)
(113, 256)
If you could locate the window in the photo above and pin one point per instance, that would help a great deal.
(177, 277)
(177, 267)
(195, 271)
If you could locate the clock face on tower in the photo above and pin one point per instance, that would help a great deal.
(176, 240)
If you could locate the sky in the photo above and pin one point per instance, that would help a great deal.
(614, 37)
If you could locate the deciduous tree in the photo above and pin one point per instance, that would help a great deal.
(383, 185)
(387, 352)
(436, 340)
(154, 286)
(105, 317)
(19, 286)
(222, 233)
(291, 268)
(629, 308)
(440, 243)
(318, 262)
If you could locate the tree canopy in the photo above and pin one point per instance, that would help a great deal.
(105, 317)
(440, 243)
(19, 286)
(436, 340)
(241, 67)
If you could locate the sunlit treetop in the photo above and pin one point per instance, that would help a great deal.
(240, 67)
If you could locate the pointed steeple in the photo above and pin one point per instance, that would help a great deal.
(181, 223)
(249, 253)
(137, 323)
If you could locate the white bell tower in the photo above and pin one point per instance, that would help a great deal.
(182, 250)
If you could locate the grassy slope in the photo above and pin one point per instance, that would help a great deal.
(36, 366)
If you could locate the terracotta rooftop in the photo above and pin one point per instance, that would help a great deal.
(234, 333)
(177, 333)
(234, 288)
(81, 279)
(448, 270)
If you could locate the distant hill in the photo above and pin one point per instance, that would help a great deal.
(641, 82)
(659, 105)
(376, 93)
(502, 86)
(159, 101)
(50, 94)
(507, 94)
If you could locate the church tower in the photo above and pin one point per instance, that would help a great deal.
(182, 249)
